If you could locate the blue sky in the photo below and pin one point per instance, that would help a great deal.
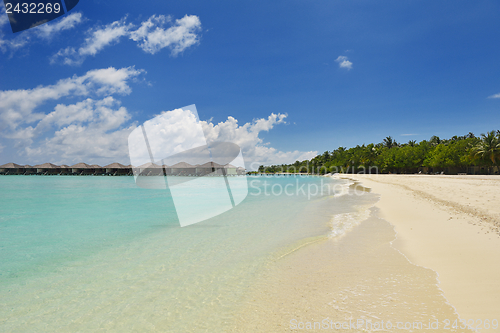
(343, 72)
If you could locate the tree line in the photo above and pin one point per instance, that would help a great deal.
(436, 155)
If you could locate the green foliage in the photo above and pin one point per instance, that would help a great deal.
(489, 147)
(434, 155)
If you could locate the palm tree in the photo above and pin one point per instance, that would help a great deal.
(488, 148)
(435, 140)
(389, 142)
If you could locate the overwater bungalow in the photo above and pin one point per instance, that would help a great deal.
(150, 169)
(231, 170)
(167, 169)
(47, 169)
(208, 168)
(183, 169)
(28, 170)
(97, 170)
(11, 169)
(130, 170)
(117, 169)
(80, 169)
(64, 170)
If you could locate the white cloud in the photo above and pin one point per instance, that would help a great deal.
(96, 127)
(101, 38)
(4, 19)
(255, 151)
(92, 131)
(495, 96)
(150, 36)
(18, 107)
(48, 30)
(344, 62)
(408, 134)
(45, 31)
(98, 39)
(9, 44)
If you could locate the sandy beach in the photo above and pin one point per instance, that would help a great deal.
(449, 224)
(429, 251)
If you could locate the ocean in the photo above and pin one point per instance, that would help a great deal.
(99, 253)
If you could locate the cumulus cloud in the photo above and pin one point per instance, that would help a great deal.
(18, 108)
(255, 151)
(344, 62)
(495, 96)
(98, 39)
(91, 130)
(94, 127)
(44, 32)
(150, 36)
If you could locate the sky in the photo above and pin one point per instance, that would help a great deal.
(285, 80)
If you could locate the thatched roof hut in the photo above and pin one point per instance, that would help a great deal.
(46, 166)
(11, 169)
(64, 170)
(80, 168)
(116, 169)
(230, 169)
(182, 165)
(28, 170)
(115, 166)
(11, 166)
(97, 169)
(47, 169)
(209, 167)
(149, 169)
(240, 170)
(182, 168)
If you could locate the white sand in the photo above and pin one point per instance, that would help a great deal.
(448, 224)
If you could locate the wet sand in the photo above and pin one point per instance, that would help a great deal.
(450, 225)
(358, 282)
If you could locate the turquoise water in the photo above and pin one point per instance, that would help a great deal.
(99, 253)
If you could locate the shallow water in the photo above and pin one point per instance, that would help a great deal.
(352, 281)
(99, 253)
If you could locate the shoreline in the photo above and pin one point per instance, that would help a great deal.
(447, 224)
(420, 256)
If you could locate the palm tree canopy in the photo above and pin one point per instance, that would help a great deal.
(489, 147)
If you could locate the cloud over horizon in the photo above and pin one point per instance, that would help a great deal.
(95, 127)
(79, 127)
(255, 151)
